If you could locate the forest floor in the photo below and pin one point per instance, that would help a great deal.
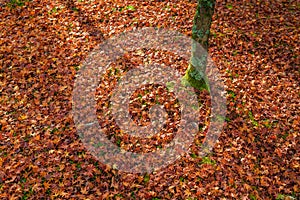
(254, 44)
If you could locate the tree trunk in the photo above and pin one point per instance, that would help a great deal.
(195, 74)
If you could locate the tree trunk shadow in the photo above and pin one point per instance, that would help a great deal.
(87, 23)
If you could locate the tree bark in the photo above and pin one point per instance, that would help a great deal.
(195, 74)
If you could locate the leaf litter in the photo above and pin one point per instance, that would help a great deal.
(42, 46)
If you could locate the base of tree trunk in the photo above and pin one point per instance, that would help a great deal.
(188, 80)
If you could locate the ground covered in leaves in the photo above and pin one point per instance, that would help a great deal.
(42, 46)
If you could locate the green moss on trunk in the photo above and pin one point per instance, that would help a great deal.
(190, 80)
